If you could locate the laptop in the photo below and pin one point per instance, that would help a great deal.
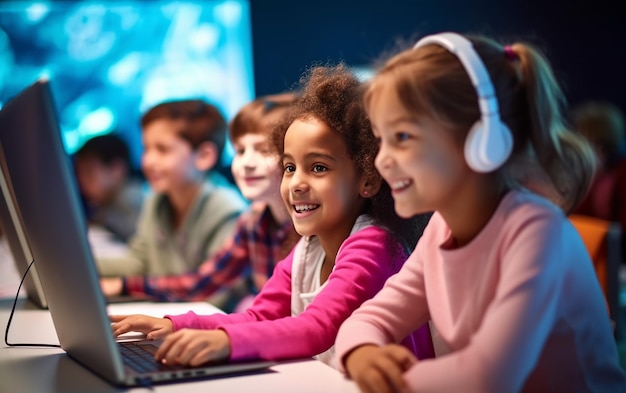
(11, 224)
(46, 196)
(13, 231)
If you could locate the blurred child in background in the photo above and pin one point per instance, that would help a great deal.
(113, 197)
(602, 124)
(189, 216)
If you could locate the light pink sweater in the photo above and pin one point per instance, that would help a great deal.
(519, 308)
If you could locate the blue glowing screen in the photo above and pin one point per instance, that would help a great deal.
(108, 61)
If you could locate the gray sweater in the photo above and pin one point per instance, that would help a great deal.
(156, 249)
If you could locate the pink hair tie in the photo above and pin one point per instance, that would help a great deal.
(510, 54)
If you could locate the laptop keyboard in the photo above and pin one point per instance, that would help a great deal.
(140, 357)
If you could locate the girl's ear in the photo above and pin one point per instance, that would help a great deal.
(370, 187)
(206, 156)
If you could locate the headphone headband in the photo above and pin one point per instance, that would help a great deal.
(489, 142)
(463, 49)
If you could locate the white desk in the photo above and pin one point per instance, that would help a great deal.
(24, 369)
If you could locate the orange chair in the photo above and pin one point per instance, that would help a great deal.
(603, 241)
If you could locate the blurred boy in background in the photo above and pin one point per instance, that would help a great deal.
(113, 197)
(189, 214)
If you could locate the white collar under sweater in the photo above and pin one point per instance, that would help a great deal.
(305, 275)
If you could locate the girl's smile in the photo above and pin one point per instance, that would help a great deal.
(304, 208)
(400, 185)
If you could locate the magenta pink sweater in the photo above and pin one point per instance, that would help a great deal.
(268, 330)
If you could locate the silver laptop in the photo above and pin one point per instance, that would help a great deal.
(11, 224)
(46, 196)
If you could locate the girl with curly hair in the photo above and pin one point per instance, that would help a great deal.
(352, 241)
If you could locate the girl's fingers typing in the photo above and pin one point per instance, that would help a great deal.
(202, 356)
(165, 347)
(190, 351)
(158, 333)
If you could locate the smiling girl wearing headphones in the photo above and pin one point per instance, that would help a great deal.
(467, 128)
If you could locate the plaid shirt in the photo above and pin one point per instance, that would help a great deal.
(241, 267)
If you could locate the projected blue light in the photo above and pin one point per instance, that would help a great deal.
(107, 62)
(37, 11)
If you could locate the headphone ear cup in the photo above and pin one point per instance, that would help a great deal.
(487, 148)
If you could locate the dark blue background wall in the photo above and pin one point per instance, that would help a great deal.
(585, 40)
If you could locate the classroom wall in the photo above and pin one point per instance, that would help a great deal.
(585, 40)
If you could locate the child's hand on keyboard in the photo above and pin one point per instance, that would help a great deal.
(194, 347)
(153, 328)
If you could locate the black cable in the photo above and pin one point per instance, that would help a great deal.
(142, 382)
(6, 332)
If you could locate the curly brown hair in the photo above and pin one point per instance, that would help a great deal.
(334, 95)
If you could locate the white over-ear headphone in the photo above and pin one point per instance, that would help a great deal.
(489, 142)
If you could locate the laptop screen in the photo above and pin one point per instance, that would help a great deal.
(13, 232)
(47, 198)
